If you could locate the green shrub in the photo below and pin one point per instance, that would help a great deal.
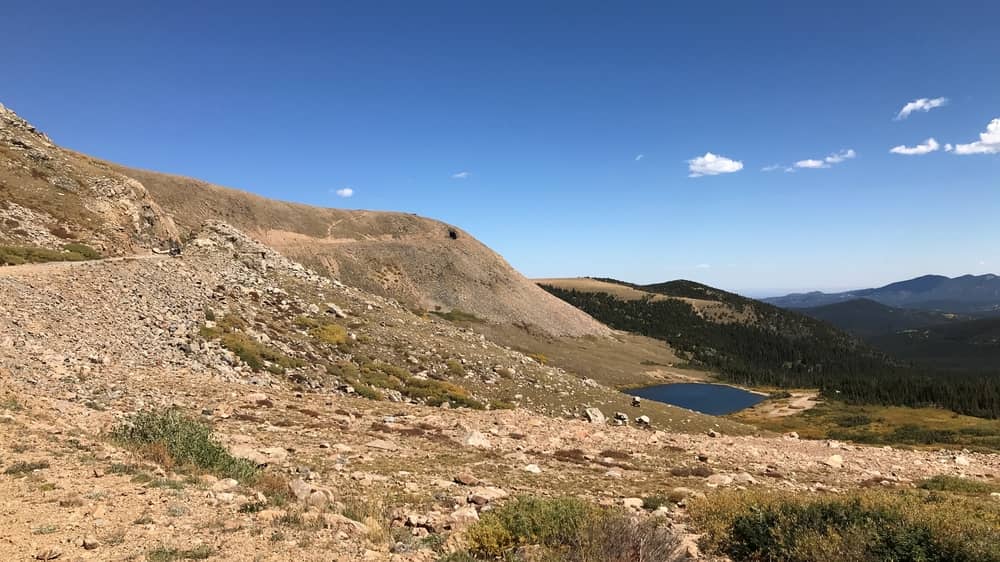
(943, 483)
(457, 316)
(864, 526)
(455, 368)
(185, 441)
(652, 503)
(333, 334)
(374, 375)
(566, 529)
(82, 250)
(530, 521)
(21, 468)
(170, 554)
(256, 355)
(17, 255)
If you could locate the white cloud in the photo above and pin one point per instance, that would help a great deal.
(826, 162)
(948, 147)
(345, 192)
(838, 157)
(988, 143)
(712, 165)
(460, 175)
(929, 145)
(922, 104)
(771, 168)
(811, 164)
(640, 157)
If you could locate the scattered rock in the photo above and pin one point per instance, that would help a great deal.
(595, 416)
(482, 495)
(467, 479)
(633, 503)
(476, 439)
(383, 445)
(834, 461)
(716, 480)
(300, 489)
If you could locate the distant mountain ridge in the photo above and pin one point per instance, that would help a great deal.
(969, 294)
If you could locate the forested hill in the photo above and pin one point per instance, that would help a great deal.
(755, 343)
(749, 343)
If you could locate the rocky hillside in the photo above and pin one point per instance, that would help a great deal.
(277, 361)
(50, 196)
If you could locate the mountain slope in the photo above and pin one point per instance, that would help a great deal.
(49, 196)
(964, 294)
(866, 318)
(744, 340)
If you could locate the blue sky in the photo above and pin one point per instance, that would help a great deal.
(522, 121)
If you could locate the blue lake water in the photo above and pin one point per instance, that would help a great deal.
(713, 399)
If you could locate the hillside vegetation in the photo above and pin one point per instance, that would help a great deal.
(777, 347)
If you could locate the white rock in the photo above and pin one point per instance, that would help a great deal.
(594, 416)
(632, 503)
(476, 439)
(717, 480)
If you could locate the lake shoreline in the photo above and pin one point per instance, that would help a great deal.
(703, 397)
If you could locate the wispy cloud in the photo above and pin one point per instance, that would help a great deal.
(838, 157)
(639, 157)
(771, 168)
(826, 162)
(928, 146)
(460, 175)
(988, 143)
(345, 192)
(712, 165)
(922, 104)
(703, 266)
(811, 163)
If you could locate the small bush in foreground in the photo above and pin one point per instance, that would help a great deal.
(183, 441)
(864, 526)
(567, 529)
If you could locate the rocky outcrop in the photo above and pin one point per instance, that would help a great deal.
(50, 196)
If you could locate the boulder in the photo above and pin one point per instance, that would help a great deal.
(594, 416)
(476, 439)
(716, 480)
